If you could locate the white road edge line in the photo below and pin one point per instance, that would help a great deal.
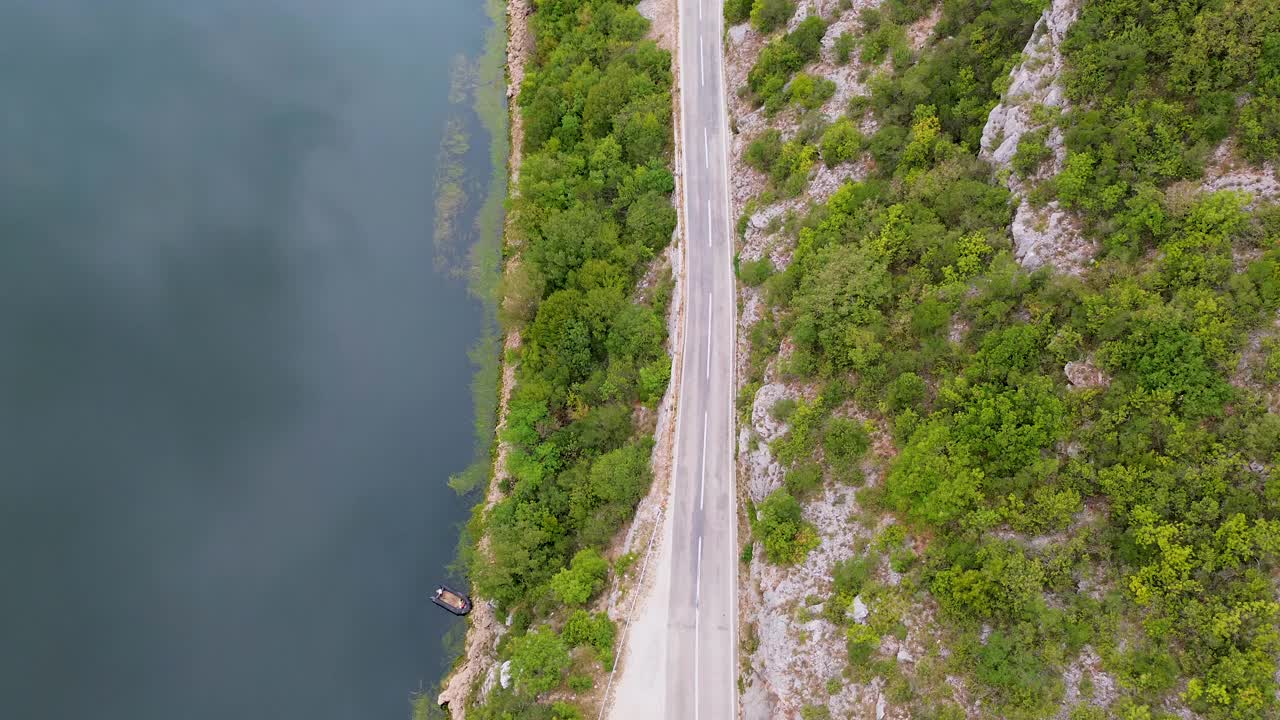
(706, 149)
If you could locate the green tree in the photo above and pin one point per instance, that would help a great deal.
(651, 221)
(538, 661)
(593, 629)
(769, 15)
(844, 47)
(787, 538)
(933, 479)
(841, 142)
(736, 11)
(583, 578)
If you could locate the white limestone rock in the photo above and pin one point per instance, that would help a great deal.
(858, 611)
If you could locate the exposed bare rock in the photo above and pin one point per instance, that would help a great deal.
(766, 426)
(761, 219)
(922, 29)
(752, 306)
(1085, 375)
(1086, 665)
(519, 45)
(1227, 171)
(1036, 81)
(858, 611)
(793, 662)
(1050, 236)
(804, 9)
(758, 703)
(481, 644)
(826, 181)
(1249, 369)
(661, 16)
(764, 474)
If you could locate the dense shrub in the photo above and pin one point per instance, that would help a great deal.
(781, 58)
(737, 11)
(538, 661)
(786, 537)
(755, 272)
(583, 578)
(841, 142)
(1156, 88)
(592, 629)
(769, 15)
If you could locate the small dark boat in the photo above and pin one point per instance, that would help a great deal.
(452, 600)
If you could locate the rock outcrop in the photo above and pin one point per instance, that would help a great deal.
(1048, 235)
(1037, 81)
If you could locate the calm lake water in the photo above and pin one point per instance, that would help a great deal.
(233, 379)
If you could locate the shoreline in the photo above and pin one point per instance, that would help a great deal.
(483, 628)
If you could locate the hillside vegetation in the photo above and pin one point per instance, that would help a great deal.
(1037, 544)
(591, 209)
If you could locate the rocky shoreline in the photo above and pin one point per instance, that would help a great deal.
(485, 629)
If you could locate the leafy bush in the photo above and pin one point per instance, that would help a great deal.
(595, 630)
(849, 575)
(1152, 96)
(1032, 152)
(809, 91)
(769, 15)
(844, 47)
(906, 391)
(861, 642)
(803, 480)
(737, 11)
(763, 152)
(841, 142)
(1013, 670)
(538, 661)
(844, 442)
(783, 57)
(786, 537)
(576, 584)
(754, 272)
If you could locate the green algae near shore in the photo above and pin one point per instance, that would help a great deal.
(484, 264)
(483, 82)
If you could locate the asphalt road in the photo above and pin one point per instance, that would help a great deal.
(701, 663)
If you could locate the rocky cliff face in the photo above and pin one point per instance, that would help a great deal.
(1048, 235)
(1037, 81)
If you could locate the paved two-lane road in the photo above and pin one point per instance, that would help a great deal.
(701, 663)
